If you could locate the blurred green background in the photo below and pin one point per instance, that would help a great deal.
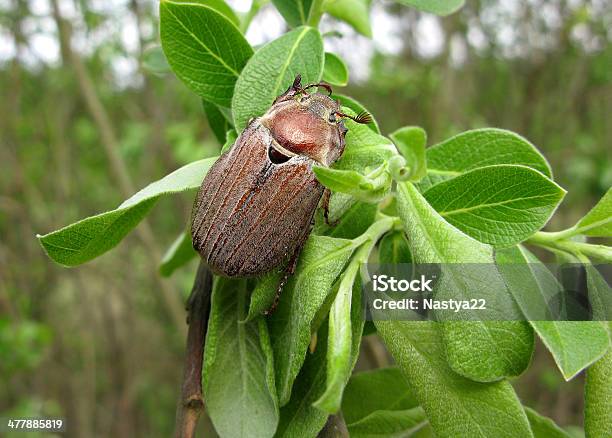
(84, 122)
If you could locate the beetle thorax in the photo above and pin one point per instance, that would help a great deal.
(302, 127)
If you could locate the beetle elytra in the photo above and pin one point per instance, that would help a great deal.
(255, 207)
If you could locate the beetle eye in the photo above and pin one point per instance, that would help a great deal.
(332, 118)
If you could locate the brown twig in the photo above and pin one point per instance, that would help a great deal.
(191, 403)
(335, 427)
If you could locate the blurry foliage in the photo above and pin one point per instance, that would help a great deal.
(95, 344)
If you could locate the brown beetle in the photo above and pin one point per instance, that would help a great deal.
(255, 207)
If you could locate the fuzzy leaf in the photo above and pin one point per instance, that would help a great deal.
(335, 71)
(500, 205)
(365, 149)
(154, 61)
(438, 7)
(598, 221)
(345, 328)
(295, 12)
(238, 375)
(598, 396)
(411, 142)
(544, 427)
(217, 121)
(370, 188)
(479, 148)
(272, 70)
(321, 261)
(383, 424)
(455, 405)
(383, 389)
(93, 236)
(354, 12)
(353, 217)
(179, 253)
(480, 350)
(394, 249)
(205, 49)
(564, 339)
(299, 418)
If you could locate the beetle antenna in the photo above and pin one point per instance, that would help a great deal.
(322, 85)
(363, 117)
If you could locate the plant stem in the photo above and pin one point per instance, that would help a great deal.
(191, 403)
(551, 240)
(316, 12)
(376, 230)
(558, 235)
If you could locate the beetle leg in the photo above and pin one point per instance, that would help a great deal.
(289, 270)
(326, 196)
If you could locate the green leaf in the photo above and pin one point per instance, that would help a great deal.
(219, 6)
(354, 217)
(383, 389)
(365, 149)
(479, 148)
(354, 12)
(335, 71)
(500, 205)
(295, 12)
(438, 7)
(263, 294)
(216, 120)
(154, 61)
(455, 406)
(598, 396)
(411, 142)
(227, 113)
(321, 261)
(354, 221)
(230, 139)
(544, 427)
(180, 252)
(564, 339)
(371, 188)
(341, 343)
(357, 108)
(238, 375)
(204, 48)
(394, 249)
(598, 221)
(299, 418)
(383, 424)
(87, 239)
(272, 70)
(343, 181)
(600, 293)
(480, 350)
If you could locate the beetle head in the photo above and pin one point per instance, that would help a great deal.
(308, 124)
